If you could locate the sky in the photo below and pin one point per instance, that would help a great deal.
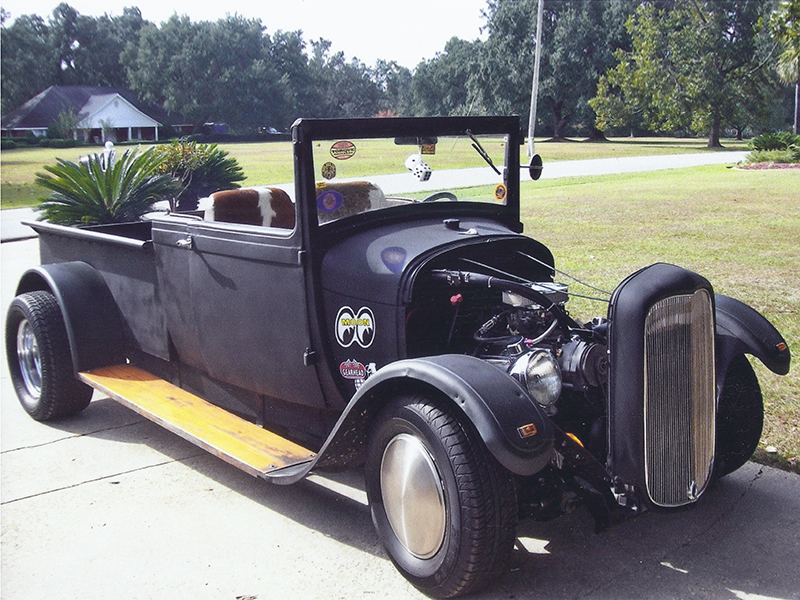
(406, 31)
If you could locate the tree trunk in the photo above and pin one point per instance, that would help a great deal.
(595, 135)
(713, 136)
(560, 121)
(796, 108)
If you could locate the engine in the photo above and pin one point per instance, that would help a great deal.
(524, 328)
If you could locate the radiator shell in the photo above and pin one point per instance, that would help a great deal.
(661, 402)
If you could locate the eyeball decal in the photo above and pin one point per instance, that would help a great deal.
(355, 327)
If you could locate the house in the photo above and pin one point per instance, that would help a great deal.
(102, 114)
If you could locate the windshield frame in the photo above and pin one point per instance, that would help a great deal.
(306, 133)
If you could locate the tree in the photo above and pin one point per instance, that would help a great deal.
(394, 81)
(26, 54)
(447, 84)
(70, 49)
(785, 23)
(220, 71)
(688, 67)
(579, 38)
(343, 89)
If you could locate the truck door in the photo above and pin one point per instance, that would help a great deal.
(249, 311)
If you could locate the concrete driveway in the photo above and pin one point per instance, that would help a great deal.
(107, 505)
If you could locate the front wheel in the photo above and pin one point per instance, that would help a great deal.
(444, 508)
(39, 358)
(740, 417)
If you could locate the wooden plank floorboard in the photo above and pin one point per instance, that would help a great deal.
(243, 444)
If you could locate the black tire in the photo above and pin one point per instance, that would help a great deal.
(39, 358)
(465, 537)
(740, 417)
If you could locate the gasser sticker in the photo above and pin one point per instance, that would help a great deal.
(500, 192)
(329, 201)
(355, 327)
(352, 369)
(328, 170)
(356, 371)
(343, 150)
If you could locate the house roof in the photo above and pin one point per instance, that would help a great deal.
(85, 101)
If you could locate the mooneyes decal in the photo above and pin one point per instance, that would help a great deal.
(343, 150)
(329, 201)
(358, 327)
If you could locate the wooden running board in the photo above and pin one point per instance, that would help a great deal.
(241, 443)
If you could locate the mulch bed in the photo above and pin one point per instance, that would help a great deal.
(769, 166)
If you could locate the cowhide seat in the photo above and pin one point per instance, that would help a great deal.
(344, 199)
(264, 206)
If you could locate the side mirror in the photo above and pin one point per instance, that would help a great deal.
(535, 168)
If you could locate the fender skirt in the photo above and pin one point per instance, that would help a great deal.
(495, 403)
(741, 329)
(92, 319)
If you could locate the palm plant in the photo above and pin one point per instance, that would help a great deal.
(201, 168)
(85, 194)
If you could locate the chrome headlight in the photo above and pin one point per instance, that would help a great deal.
(539, 372)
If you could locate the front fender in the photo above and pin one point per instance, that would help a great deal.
(94, 325)
(741, 329)
(495, 403)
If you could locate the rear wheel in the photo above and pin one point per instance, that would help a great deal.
(39, 358)
(444, 508)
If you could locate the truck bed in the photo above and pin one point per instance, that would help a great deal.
(123, 254)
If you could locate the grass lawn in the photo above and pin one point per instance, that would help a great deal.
(269, 163)
(737, 228)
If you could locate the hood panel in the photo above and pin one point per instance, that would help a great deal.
(369, 265)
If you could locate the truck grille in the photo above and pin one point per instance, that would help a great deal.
(679, 404)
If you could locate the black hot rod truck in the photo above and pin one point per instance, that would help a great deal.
(401, 323)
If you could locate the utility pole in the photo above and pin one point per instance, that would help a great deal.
(535, 85)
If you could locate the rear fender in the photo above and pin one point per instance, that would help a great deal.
(496, 405)
(92, 318)
(743, 330)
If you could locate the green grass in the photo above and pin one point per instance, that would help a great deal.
(737, 228)
(268, 163)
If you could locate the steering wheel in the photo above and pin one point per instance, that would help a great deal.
(439, 195)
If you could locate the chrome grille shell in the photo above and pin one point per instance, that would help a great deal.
(679, 398)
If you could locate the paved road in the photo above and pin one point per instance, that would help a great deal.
(11, 227)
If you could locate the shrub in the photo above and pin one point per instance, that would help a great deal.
(201, 168)
(773, 156)
(7, 144)
(87, 195)
(775, 141)
(59, 143)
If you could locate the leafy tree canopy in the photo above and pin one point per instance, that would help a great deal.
(688, 68)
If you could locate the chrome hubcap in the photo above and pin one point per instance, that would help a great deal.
(413, 495)
(30, 364)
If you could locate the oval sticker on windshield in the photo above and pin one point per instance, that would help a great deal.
(343, 150)
(329, 200)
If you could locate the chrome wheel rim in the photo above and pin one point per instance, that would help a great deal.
(413, 495)
(30, 362)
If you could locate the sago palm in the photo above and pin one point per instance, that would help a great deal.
(85, 194)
